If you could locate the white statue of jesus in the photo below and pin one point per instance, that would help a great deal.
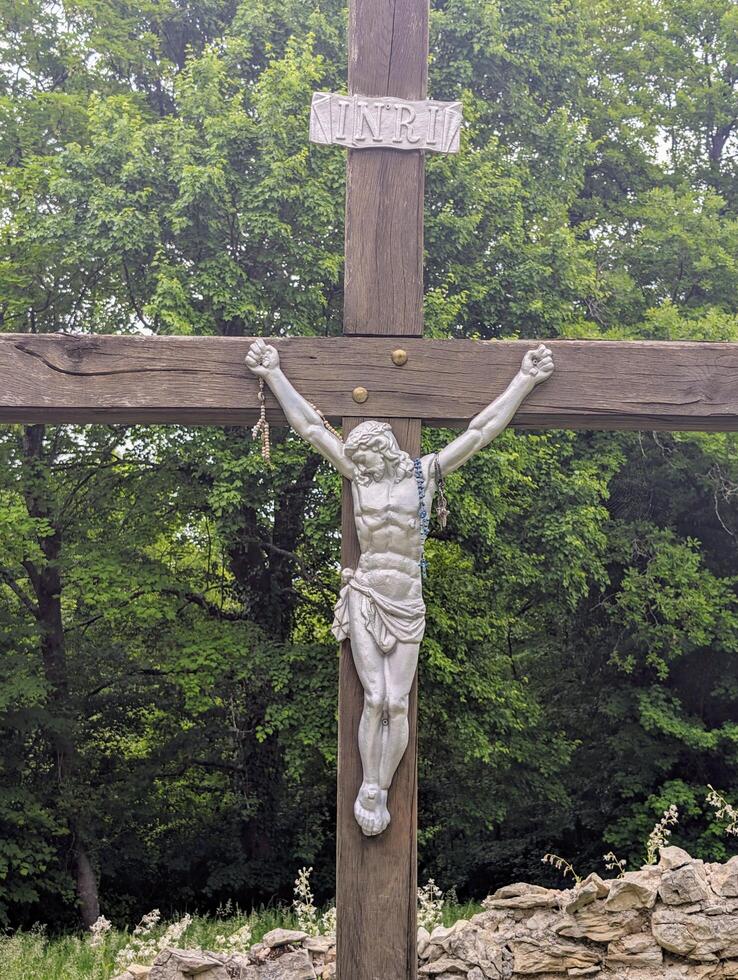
(381, 604)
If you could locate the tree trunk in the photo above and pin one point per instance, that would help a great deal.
(47, 585)
(89, 901)
(264, 565)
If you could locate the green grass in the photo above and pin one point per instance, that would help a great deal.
(453, 911)
(32, 955)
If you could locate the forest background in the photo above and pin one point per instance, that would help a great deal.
(167, 678)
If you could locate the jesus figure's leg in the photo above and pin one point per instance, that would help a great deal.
(370, 808)
(399, 667)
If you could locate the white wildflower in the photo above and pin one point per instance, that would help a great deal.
(99, 929)
(613, 863)
(659, 836)
(430, 905)
(238, 941)
(723, 811)
(148, 922)
(174, 932)
(304, 903)
(562, 865)
(144, 947)
(328, 922)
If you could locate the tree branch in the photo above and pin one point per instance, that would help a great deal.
(198, 599)
(7, 577)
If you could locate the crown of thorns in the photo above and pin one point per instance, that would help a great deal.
(367, 431)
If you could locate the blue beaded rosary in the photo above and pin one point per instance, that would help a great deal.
(423, 514)
(441, 508)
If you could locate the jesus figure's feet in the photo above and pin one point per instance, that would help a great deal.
(370, 809)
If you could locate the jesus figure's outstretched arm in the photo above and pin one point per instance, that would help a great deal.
(537, 366)
(263, 361)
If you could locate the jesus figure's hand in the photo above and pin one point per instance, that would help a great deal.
(538, 364)
(262, 358)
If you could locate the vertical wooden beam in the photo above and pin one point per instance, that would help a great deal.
(376, 887)
(388, 55)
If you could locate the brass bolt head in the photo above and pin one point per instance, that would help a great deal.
(399, 357)
(360, 395)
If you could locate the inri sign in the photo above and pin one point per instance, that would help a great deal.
(360, 122)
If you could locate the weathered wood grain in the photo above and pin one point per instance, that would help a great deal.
(596, 385)
(365, 123)
(376, 879)
(383, 293)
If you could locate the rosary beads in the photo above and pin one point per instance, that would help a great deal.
(326, 424)
(422, 513)
(262, 427)
(441, 506)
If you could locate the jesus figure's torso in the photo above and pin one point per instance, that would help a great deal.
(387, 518)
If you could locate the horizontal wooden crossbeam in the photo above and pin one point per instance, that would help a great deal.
(203, 380)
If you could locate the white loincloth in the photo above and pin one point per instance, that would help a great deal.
(387, 620)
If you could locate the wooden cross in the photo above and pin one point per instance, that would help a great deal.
(597, 385)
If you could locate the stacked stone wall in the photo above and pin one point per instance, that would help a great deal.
(677, 920)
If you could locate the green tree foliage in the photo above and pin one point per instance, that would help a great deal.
(167, 677)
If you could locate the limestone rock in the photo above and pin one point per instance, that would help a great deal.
(441, 933)
(585, 893)
(135, 972)
(181, 964)
(423, 941)
(600, 926)
(516, 890)
(438, 943)
(724, 878)
(540, 920)
(283, 937)
(724, 907)
(522, 896)
(712, 971)
(685, 885)
(318, 944)
(493, 920)
(671, 858)
(639, 949)
(473, 946)
(259, 952)
(542, 954)
(698, 936)
(491, 956)
(239, 968)
(533, 900)
(635, 890)
(602, 887)
(444, 965)
(469, 944)
(292, 965)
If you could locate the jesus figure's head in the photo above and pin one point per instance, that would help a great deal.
(373, 449)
